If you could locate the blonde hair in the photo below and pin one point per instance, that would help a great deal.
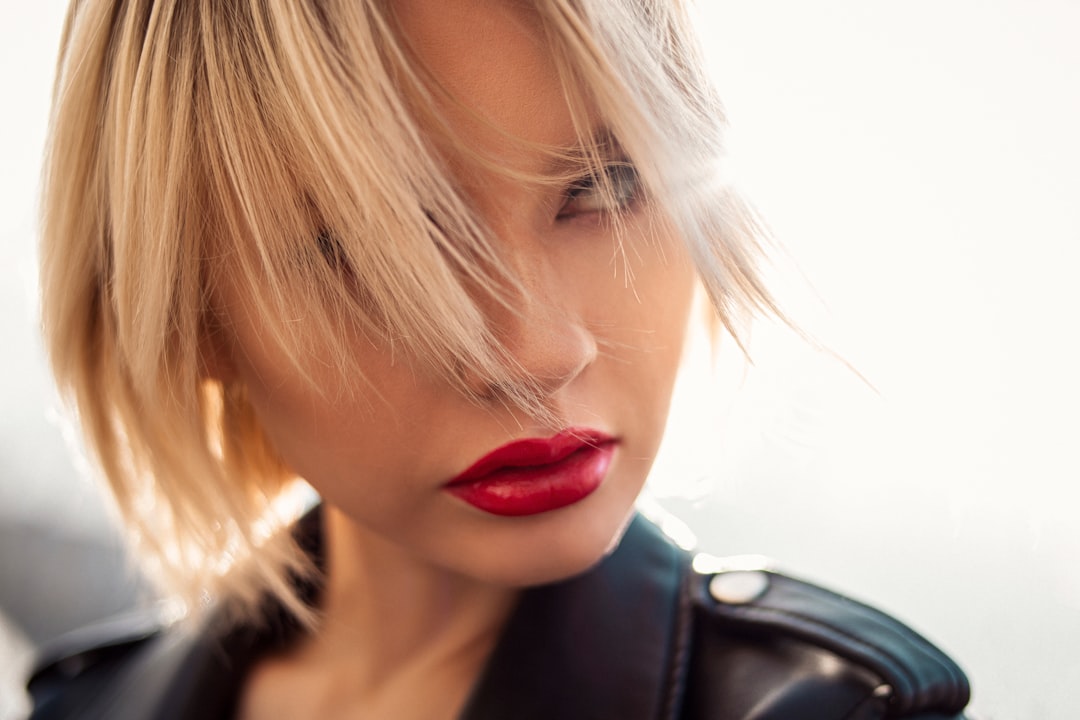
(275, 144)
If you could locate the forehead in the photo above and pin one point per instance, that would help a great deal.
(494, 64)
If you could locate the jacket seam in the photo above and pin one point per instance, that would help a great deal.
(676, 680)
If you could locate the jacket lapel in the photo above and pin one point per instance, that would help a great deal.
(608, 644)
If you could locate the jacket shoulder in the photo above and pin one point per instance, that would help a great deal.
(774, 631)
(71, 671)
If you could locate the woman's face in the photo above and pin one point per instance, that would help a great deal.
(603, 334)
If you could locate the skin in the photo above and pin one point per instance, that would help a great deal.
(420, 582)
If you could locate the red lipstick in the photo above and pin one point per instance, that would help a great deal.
(535, 475)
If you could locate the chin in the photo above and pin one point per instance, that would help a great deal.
(557, 546)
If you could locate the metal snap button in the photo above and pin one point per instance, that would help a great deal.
(738, 587)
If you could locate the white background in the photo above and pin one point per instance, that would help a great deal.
(920, 163)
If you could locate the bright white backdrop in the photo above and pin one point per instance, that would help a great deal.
(920, 162)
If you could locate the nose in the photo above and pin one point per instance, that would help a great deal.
(545, 335)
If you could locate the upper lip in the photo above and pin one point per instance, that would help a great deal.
(533, 452)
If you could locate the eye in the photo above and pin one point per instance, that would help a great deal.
(614, 190)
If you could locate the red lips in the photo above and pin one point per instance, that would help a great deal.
(536, 475)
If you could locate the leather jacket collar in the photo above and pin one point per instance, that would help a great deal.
(640, 636)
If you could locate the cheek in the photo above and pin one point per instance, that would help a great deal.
(646, 327)
(654, 307)
(310, 421)
(668, 313)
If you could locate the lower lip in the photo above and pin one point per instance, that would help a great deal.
(517, 491)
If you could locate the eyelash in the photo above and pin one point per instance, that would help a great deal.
(617, 192)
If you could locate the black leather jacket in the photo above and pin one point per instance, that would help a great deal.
(642, 636)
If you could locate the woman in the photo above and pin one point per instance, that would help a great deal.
(438, 261)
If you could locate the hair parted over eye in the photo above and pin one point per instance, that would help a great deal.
(617, 189)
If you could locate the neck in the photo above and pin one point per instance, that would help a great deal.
(398, 638)
(386, 612)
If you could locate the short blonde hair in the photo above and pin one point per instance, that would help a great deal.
(274, 144)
